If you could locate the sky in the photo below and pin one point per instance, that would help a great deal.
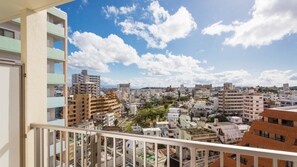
(174, 42)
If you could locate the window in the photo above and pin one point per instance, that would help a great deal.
(6, 33)
(264, 134)
(280, 138)
(273, 120)
(287, 122)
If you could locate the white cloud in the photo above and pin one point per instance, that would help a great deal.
(271, 20)
(218, 28)
(165, 28)
(160, 64)
(277, 77)
(112, 10)
(97, 53)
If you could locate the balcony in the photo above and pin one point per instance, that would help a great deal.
(10, 44)
(120, 149)
(55, 54)
(54, 102)
(56, 30)
(55, 79)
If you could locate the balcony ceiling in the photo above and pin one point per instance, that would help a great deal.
(11, 9)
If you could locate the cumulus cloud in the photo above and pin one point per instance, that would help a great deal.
(277, 77)
(165, 27)
(97, 53)
(114, 11)
(271, 20)
(168, 64)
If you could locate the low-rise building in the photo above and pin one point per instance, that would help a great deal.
(227, 132)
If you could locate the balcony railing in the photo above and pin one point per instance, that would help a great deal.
(80, 147)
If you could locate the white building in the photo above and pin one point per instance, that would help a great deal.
(109, 117)
(173, 114)
(230, 100)
(133, 109)
(253, 106)
(227, 132)
(152, 132)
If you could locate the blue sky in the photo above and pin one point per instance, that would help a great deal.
(173, 42)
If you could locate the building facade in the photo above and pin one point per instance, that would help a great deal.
(84, 83)
(230, 100)
(85, 107)
(10, 49)
(277, 130)
(253, 106)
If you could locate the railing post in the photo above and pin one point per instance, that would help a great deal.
(156, 154)
(221, 159)
(180, 156)
(206, 158)
(134, 153)
(193, 156)
(48, 146)
(144, 154)
(256, 161)
(168, 155)
(67, 149)
(237, 160)
(74, 152)
(98, 150)
(124, 152)
(41, 147)
(274, 163)
(105, 151)
(55, 148)
(61, 148)
(36, 150)
(82, 149)
(114, 152)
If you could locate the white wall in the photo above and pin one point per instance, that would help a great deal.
(10, 116)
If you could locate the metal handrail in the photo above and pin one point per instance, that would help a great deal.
(258, 152)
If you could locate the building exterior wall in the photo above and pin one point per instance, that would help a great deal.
(231, 102)
(85, 107)
(277, 130)
(253, 106)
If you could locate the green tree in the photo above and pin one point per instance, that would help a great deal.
(115, 122)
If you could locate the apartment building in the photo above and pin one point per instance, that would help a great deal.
(276, 130)
(84, 83)
(230, 100)
(202, 91)
(123, 92)
(253, 106)
(56, 59)
(86, 107)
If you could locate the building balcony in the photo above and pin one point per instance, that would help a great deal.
(10, 44)
(55, 30)
(54, 102)
(14, 46)
(80, 148)
(55, 54)
(55, 79)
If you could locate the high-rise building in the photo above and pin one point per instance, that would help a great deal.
(253, 106)
(230, 100)
(86, 84)
(56, 57)
(276, 130)
(123, 92)
(86, 107)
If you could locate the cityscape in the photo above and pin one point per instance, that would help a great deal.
(148, 83)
